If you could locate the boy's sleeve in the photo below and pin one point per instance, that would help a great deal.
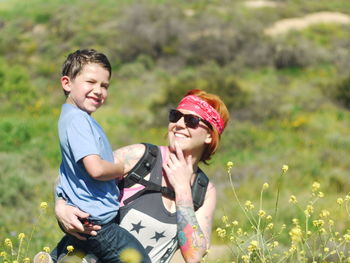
(82, 138)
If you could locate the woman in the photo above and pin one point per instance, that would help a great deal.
(160, 223)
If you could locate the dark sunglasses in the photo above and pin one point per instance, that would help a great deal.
(191, 121)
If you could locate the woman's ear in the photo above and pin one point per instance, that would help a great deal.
(65, 83)
(208, 139)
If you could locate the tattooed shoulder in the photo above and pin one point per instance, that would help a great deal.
(129, 155)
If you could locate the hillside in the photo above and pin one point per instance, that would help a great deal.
(288, 94)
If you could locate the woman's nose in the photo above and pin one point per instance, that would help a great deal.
(181, 122)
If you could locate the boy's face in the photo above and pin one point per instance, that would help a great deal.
(88, 91)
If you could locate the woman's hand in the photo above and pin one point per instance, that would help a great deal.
(179, 170)
(70, 217)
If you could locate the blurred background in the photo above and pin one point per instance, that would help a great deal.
(281, 66)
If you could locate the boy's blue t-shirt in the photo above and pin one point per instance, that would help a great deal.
(80, 135)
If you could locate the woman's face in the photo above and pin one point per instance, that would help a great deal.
(191, 140)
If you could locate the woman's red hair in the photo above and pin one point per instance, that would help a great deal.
(221, 108)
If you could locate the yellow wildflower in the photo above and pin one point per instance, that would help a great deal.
(130, 255)
(249, 205)
(324, 213)
(318, 223)
(293, 199)
(269, 226)
(275, 244)
(269, 217)
(8, 242)
(261, 213)
(315, 186)
(26, 260)
(265, 186)
(21, 236)
(46, 249)
(326, 249)
(3, 254)
(43, 205)
(245, 258)
(285, 168)
(254, 245)
(296, 235)
(340, 201)
(320, 194)
(295, 221)
(347, 238)
(331, 222)
(224, 219)
(229, 165)
(70, 248)
(347, 198)
(235, 223)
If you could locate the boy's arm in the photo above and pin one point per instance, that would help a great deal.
(103, 170)
(125, 159)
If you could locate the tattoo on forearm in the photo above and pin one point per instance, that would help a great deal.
(190, 235)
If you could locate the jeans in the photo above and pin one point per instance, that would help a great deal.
(110, 241)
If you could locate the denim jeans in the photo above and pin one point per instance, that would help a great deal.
(110, 241)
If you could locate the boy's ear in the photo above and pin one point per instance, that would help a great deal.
(65, 83)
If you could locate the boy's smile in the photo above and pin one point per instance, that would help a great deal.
(88, 91)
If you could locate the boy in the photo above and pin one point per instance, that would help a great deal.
(87, 171)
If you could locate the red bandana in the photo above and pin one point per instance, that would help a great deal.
(204, 110)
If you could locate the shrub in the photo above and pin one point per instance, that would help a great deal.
(342, 92)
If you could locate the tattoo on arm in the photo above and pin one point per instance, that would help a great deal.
(190, 235)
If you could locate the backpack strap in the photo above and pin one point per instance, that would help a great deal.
(145, 166)
(199, 188)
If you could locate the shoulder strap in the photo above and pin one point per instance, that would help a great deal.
(199, 188)
(145, 166)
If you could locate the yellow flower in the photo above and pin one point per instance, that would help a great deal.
(249, 205)
(324, 213)
(26, 260)
(43, 205)
(261, 213)
(130, 255)
(320, 194)
(285, 168)
(224, 219)
(21, 236)
(221, 232)
(46, 249)
(254, 245)
(275, 244)
(265, 186)
(235, 223)
(245, 258)
(70, 248)
(269, 226)
(229, 165)
(331, 222)
(8, 242)
(293, 199)
(326, 249)
(296, 235)
(3, 254)
(318, 223)
(340, 201)
(347, 238)
(315, 186)
(295, 221)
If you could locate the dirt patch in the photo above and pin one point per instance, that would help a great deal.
(215, 253)
(260, 3)
(285, 25)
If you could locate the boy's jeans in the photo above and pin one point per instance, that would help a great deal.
(110, 241)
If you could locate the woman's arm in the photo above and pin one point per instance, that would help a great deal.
(68, 218)
(194, 228)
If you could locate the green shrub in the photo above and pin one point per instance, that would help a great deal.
(342, 92)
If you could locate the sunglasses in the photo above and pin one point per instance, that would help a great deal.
(191, 121)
